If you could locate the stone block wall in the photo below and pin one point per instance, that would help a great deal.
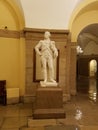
(62, 40)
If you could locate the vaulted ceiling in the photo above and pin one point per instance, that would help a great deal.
(53, 14)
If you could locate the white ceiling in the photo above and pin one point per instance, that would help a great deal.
(52, 14)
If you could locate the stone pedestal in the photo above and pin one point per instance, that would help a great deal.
(49, 103)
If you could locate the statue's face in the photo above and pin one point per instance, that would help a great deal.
(47, 35)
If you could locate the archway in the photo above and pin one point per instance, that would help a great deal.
(15, 6)
(81, 17)
(11, 15)
(92, 68)
(87, 61)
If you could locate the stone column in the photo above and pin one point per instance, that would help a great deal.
(73, 57)
(67, 73)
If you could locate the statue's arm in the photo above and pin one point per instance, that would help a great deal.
(38, 47)
(54, 49)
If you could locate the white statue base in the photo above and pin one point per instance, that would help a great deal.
(48, 84)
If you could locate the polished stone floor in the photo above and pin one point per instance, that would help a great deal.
(81, 111)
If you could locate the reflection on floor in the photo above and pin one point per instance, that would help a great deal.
(93, 89)
(81, 110)
(88, 86)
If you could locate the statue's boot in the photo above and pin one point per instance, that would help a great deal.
(52, 80)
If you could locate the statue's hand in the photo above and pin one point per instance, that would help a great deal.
(55, 54)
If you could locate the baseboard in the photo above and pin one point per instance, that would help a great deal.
(29, 98)
(13, 100)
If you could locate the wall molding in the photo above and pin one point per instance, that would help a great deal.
(11, 33)
(43, 30)
(30, 33)
(34, 34)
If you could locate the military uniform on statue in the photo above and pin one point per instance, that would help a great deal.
(49, 97)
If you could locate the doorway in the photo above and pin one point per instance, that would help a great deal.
(92, 68)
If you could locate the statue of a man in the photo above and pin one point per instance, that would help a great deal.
(47, 51)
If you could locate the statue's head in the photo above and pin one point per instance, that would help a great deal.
(47, 34)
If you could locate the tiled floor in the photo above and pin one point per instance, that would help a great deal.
(15, 117)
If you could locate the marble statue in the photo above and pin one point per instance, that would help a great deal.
(47, 51)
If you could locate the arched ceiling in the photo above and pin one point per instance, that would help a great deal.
(53, 14)
(16, 8)
(89, 7)
(18, 2)
(11, 15)
(48, 13)
(85, 14)
(88, 39)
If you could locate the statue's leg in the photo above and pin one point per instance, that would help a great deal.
(44, 68)
(51, 69)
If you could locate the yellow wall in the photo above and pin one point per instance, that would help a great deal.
(8, 17)
(12, 62)
(12, 50)
(9, 61)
